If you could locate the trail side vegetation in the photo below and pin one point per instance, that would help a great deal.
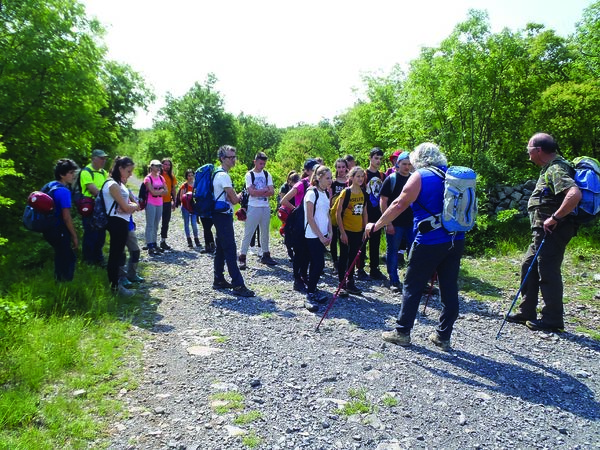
(65, 349)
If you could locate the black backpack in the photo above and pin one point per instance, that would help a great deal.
(294, 226)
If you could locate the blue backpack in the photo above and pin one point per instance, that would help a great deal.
(587, 177)
(460, 202)
(203, 195)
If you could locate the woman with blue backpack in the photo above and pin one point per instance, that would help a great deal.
(435, 248)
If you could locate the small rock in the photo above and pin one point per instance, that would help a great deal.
(234, 431)
(582, 374)
(79, 393)
(255, 383)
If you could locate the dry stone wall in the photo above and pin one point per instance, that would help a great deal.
(502, 198)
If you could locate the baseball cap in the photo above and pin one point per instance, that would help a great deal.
(395, 155)
(155, 162)
(99, 153)
(310, 164)
(402, 156)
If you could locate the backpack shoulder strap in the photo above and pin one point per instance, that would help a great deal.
(347, 192)
(252, 176)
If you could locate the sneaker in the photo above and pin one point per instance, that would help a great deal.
(439, 342)
(518, 318)
(266, 259)
(243, 291)
(299, 286)
(310, 302)
(402, 339)
(377, 275)
(222, 284)
(352, 289)
(321, 297)
(136, 279)
(540, 325)
(165, 246)
(395, 287)
(361, 274)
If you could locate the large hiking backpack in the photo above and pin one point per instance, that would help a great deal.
(294, 225)
(205, 202)
(100, 216)
(459, 209)
(587, 177)
(39, 214)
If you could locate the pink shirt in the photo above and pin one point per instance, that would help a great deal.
(156, 183)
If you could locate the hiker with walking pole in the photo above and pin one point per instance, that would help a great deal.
(434, 248)
(555, 196)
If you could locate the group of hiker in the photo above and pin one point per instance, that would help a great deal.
(348, 208)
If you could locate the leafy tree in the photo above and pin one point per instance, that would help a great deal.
(587, 40)
(303, 142)
(255, 134)
(198, 123)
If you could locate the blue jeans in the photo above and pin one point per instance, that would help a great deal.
(93, 242)
(64, 256)
(187, 218)
(393, 245)
(226, 250)
(423, 262)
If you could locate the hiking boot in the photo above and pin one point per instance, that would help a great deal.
(439, 342)
(190, 243)
(361, 274)
(165, 246)
(266, 259)
(395, 287)
(540, 325)
(377, 275)
(123, 292)
(242, 262)
(210, 248)
(402, 339)
(123, 281)
(518, 318)
(136, 279)
(222, 284)
(310, 302)
(243, 291)
(299, 286)
(197, 242)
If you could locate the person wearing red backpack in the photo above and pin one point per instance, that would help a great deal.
(188, 214)
(63, 237)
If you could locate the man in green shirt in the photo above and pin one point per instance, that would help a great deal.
(92, 178)
(554, 198)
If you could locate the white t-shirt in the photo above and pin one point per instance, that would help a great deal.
(109, 200)
(321, 213)
(222, 181)
(260, 182)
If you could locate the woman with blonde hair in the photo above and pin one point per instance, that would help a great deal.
(317, 233)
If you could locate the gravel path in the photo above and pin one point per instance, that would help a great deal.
(221, 372)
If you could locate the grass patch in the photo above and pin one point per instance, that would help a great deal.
(358, 404)
(45, 360)
(249, 417)
(251, 440)
(267, 315)
(220, 337)
(390, 401)
(231, 401)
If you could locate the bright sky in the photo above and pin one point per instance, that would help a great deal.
(292, 62)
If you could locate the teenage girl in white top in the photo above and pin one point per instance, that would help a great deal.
(119, 208)
(318, 232)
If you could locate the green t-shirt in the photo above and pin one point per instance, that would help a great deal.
(90, 175)
(555, 179)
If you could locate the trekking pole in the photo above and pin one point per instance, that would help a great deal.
(433, 280)
(343, 283)
(521, 287)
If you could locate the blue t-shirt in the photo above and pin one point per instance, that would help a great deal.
(432, 198)
(62, 199)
